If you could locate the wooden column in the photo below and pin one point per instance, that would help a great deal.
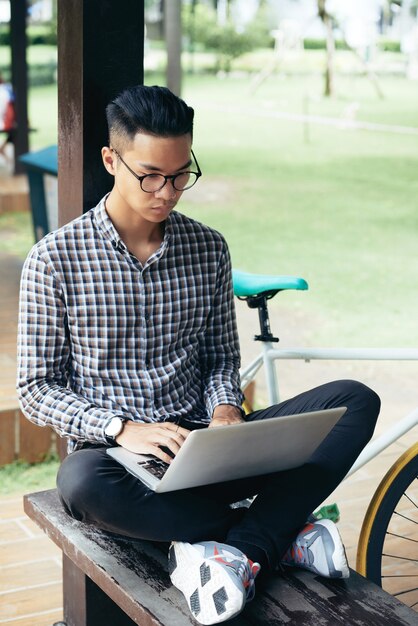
(100, 53)
(18, 12)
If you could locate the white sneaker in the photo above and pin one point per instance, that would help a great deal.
(216, 579)
(318, 548)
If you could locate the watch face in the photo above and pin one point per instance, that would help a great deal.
(114, 427)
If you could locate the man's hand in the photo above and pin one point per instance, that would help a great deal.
(226, 414)
(148, 438)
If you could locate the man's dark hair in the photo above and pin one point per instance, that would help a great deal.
(150, 110)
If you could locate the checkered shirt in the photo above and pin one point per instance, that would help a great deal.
(100, 335)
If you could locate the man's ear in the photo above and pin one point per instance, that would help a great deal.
(109, 160)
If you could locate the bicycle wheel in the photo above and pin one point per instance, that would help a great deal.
(388, 546)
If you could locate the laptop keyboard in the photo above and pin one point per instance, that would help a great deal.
(156, 467)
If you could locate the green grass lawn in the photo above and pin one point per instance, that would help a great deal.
(43, 116)
(35, 55)
(338, 208)
(19, 477)
(16, 233)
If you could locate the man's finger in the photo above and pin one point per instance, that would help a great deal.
(170, 443)
(176, 428)
(160, 454)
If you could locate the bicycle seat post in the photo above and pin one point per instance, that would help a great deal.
(260, 302)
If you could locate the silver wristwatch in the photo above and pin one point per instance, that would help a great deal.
(114, 427)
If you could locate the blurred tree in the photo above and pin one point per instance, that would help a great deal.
(53, 25)
(173, 37)
(327, 21)
(330, 22)
(201, 26)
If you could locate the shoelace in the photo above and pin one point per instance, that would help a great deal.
(299, 550)
(301, 554)
(255, 568)
(243, 567)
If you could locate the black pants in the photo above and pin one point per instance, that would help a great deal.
(96, 489)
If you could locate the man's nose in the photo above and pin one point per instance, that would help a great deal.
(167, 192)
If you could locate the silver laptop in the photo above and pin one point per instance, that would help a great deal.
(214, 455)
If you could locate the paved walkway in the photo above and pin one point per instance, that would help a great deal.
(30, 570)
(10, 269)
(30, 564)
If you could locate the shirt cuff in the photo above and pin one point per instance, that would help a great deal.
(224, 397)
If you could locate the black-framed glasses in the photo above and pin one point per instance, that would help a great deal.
(150, 183)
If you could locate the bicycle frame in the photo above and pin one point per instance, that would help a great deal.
(270, 354)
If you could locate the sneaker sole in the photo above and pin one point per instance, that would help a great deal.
(210, 592)
(337, 563)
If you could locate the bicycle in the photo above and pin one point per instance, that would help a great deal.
(391, 521)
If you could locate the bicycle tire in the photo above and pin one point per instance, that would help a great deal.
(381, 514)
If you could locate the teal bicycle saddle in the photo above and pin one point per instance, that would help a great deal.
(246, 285)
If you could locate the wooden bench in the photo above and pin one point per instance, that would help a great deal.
(116, 582)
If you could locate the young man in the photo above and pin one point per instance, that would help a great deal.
(128, 337)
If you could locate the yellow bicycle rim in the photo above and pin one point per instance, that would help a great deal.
(375, 503)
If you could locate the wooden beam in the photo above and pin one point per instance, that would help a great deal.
(100, 53)
(18, 13)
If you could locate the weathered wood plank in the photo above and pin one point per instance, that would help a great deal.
(34, 442)
(20, 439)
(134, 575)
(7, 436)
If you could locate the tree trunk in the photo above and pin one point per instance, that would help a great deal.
(329, 67)
(172, 21)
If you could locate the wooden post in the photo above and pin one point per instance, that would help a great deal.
(18, 12)
(100, 53)
(88, 605)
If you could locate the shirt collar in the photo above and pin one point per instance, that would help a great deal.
(105, 225)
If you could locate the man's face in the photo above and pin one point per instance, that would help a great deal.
(148, 154)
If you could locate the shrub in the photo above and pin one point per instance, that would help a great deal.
(35, 35)
(386, 45)
(4, 35)
(41, 34)
(43, 74)
(320, 44)
(201, 28)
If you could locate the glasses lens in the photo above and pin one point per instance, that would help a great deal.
(185, 180)
(152, 182)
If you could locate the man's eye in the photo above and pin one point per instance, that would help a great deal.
(183, 177)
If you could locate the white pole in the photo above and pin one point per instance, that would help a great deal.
(389, 436)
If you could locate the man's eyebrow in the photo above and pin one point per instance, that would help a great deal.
(153, 168)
